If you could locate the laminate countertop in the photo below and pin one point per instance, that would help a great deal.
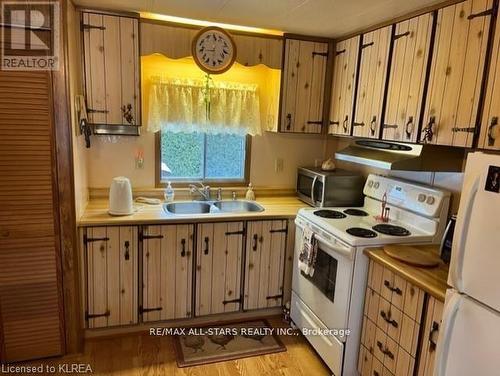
(431, 280)
(96, 213)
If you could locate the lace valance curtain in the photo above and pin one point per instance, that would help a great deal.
(180, 105)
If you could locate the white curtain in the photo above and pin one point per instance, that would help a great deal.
(179, 105)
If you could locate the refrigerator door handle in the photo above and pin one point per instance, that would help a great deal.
(449, 314)
(463, 221)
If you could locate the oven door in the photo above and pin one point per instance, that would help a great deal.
(327, 293)
(310, 187)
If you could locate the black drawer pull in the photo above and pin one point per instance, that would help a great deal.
(96, 315)
(356, 124)
(231, 301)
(385, 351)
(373, 125)
(206, 245)
(90, 240)
(239, 232)
(428, 131)
(255, 238)
(334, 122)
(183, 243)
(463, 129)
(435, 329)
(274, 297)
(397, 290)
(344, 123)
(322, 54)
(487, 12)
(409, 127)
(288, 122)
(279, 230)
(127, 251)
(146, 310)
(493, 125)
(397, 36)
(387, 319)
(146, 236)
(339, 52)
(94, 111)
(319, 122)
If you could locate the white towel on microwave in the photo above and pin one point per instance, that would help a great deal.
(307, 255)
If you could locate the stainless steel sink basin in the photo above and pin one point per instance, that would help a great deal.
(238, 206)
(211, 207)
(190, 207)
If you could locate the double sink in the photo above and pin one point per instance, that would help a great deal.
(212, 207)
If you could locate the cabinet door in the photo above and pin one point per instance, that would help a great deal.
(112, 275)
(344, 81)
(167, 272)
(408, 69)
(111, 57)
(218, 267)
(371, 86)
(490, 129)
(430, 337)
(303, 86)
(456, 74)
(265, 262)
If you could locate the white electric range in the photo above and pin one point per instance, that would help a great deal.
(331, 301)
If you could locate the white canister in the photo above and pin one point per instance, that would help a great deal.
(120, 197)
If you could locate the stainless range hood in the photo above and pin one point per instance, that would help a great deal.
(390, 155)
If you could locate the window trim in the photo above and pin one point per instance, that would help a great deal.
(185, 183)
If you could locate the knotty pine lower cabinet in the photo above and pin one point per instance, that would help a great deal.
(430, 335)
(111, 260)
(265, 263)
(400, 327)
(167, 272)
(219, 249)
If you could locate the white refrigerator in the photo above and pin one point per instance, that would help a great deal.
(469, 338)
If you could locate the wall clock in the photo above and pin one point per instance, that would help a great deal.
(214, 50)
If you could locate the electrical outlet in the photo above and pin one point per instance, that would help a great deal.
(278, 165)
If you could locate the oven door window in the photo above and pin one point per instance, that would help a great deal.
(325, 274)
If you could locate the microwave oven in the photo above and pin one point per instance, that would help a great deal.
(330, 188)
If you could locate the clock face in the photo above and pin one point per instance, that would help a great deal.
(214, 50)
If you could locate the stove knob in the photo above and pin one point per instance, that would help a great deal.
(376, 185)
(421, 197)
(431, 200)
(370, 183)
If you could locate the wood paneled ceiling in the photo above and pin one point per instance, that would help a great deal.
(331, 18)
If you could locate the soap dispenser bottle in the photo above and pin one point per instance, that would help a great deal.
(169, 193)
(250, 195)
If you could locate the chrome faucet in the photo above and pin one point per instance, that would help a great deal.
(202, 190)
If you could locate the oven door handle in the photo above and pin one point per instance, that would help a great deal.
(312, 190)
(338, 248)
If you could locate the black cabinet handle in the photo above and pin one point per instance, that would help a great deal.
(344, 123)
(385, 351)
(183, 252)
(387, 319)
(356, 124)
(255, 237)
(146, 236)
(89, 316)
(288, 122)
(373, 125)
(409, 127)
(334, 122)
(397, 290)
(435, 329)
(127, 251)
(428, 131)
(206, 245)
(493, 125)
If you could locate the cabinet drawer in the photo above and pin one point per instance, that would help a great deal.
(401, 294)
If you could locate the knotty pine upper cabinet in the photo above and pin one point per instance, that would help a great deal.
(167, 272)
(411, 45)
(343, 85)
(265, 263)
(371, 85)
(218, 267)
(111, 260)
(456, 76)
(490, 128)
(111, 69)
(302, 94)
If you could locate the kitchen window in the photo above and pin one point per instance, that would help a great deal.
(195, 156)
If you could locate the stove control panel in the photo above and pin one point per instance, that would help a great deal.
(416, 197)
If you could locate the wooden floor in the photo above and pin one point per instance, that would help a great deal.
(145, 355)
